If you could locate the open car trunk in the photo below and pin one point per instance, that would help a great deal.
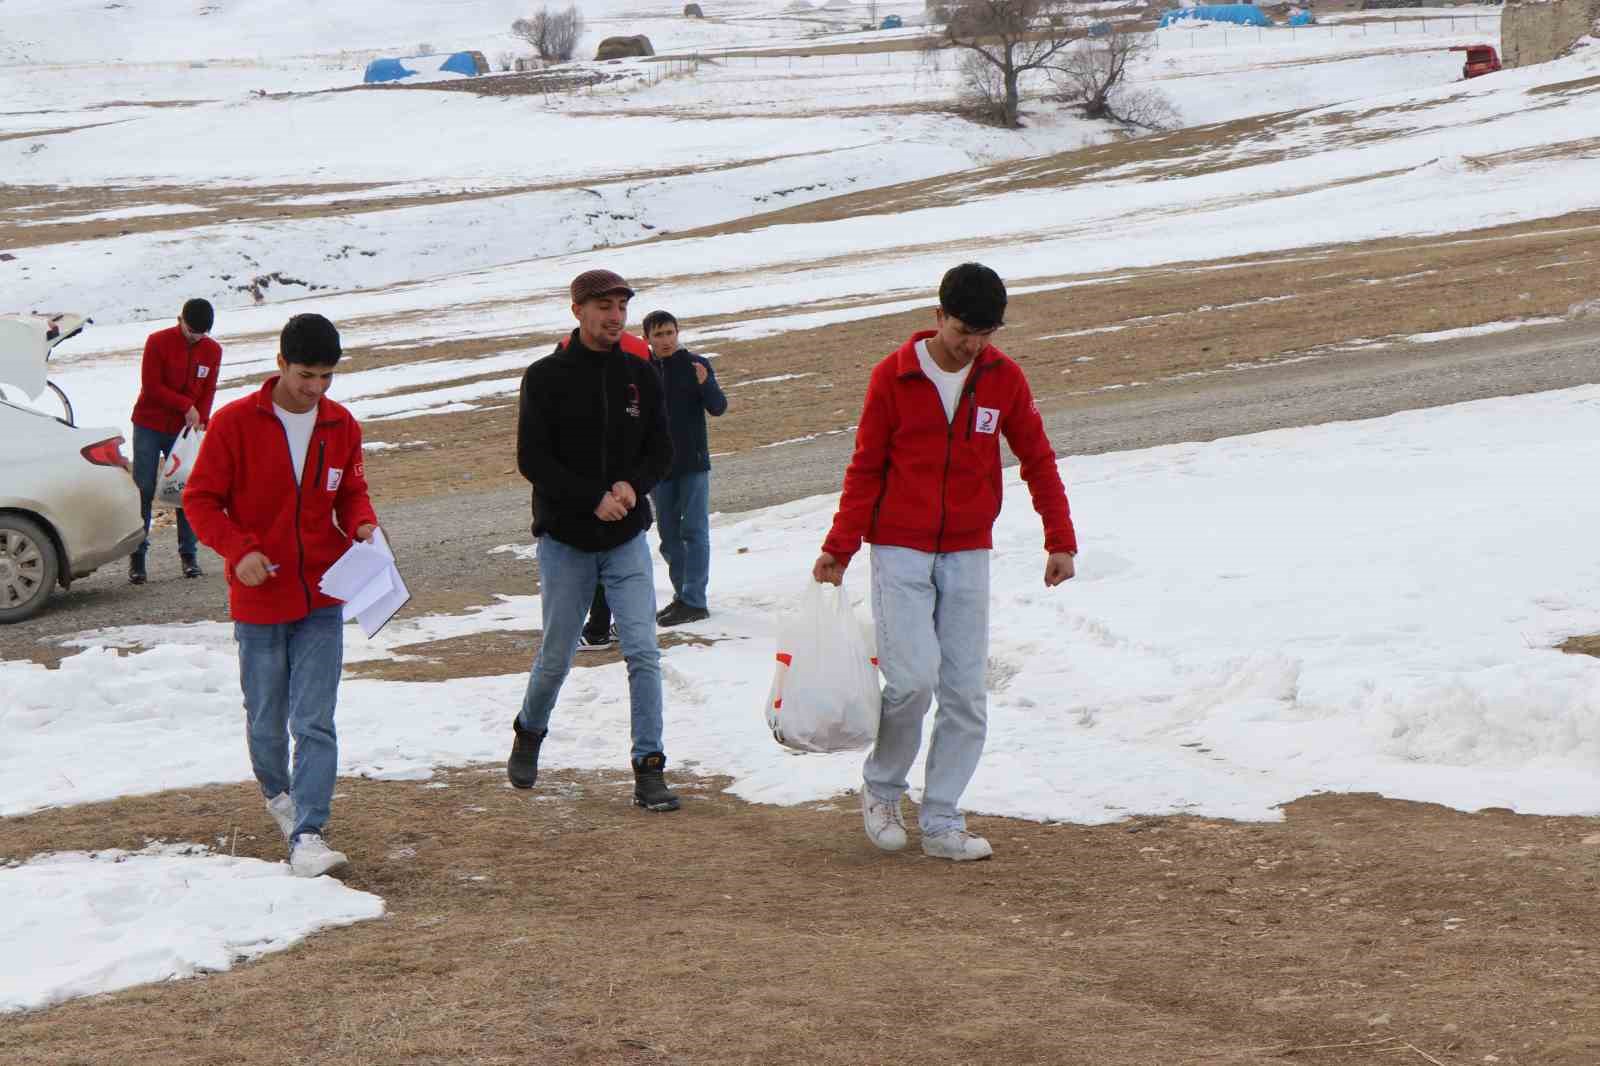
(26, 342)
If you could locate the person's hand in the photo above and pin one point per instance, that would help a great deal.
(624, 492)
(611, 509)
(253, 570)
(191, 417)
(827, 570)
(365, 531)
(1058, 568)
(700, 373)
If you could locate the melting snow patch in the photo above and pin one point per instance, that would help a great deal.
(78, 924)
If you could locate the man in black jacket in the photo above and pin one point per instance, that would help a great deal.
(592, 438)
(683, 498)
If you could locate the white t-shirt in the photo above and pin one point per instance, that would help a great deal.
(948, 381)
(299, 428)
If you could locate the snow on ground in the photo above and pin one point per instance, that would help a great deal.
(1345, 607)
(1349, 607)
(77, 924)
(729, 139)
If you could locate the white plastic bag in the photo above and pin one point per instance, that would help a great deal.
(825, 694)
(175, 471)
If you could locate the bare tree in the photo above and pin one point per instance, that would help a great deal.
(1011, 36)
(983, 90)
(1093, 75)
(553, 34)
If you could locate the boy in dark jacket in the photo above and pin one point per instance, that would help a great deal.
(924, 489)
(592, 438)
(683, 499)
(280, 491)
(177, 383)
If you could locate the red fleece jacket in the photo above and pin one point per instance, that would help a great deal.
(919, 480)
(173, 377)
(242, 497)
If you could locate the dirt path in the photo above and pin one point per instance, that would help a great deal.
(445, 539)
(1357, 932)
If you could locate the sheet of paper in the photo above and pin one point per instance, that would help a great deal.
(380, 586)
(366, 579)
(377, 615)
(354, 570)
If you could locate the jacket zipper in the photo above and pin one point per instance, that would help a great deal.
(188, 375)
(970, 391)
(605, 423)
(949, 448)
(299, 542)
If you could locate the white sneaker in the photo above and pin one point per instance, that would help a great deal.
(956, 844)
(281, 807)
(312, 857)
(885, 827)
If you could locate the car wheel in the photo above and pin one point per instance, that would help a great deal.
(29, 566)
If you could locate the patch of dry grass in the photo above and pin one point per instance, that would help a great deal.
(565, 926)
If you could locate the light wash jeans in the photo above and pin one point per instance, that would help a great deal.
(683, 517)
(290, 676)
(567, 578)
(932, 618)
(150, 448)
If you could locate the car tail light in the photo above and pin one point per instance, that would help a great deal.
(107, 452)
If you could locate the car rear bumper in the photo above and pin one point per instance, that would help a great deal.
(89, 562)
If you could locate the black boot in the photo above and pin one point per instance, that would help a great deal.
(523, 766)
(191, 566)
(650, 789)
(136, 568)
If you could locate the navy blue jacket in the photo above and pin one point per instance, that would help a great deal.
(688, 402)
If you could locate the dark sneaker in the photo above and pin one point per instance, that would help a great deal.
(191, 566)
(523, 766)
(669, 608)
(678, 614)
(589, 642)
(650, 789)
(136, 574)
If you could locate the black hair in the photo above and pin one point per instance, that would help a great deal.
(198, 315)
(309, 340)
(974, 294)
(656, 319)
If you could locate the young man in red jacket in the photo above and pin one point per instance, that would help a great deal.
(279, 491)
(177, 382)
(924, 489)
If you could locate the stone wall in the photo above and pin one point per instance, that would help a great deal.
(1537, 32)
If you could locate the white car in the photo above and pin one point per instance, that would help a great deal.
(68, 503)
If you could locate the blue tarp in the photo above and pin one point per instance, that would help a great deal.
(461, 63)
(387, 70)
(1243, 14)
(1302, 19)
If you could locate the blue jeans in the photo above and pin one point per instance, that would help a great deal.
(567, 578)
(932, 615)
(683, 506)
(290, 676)
(150, 449)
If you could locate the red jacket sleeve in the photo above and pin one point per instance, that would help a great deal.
(209, 494)
(151, 385)
(351, 504)
(1024, 432)
(869, 465)
(208, 387)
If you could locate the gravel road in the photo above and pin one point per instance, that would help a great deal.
(444, 542)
